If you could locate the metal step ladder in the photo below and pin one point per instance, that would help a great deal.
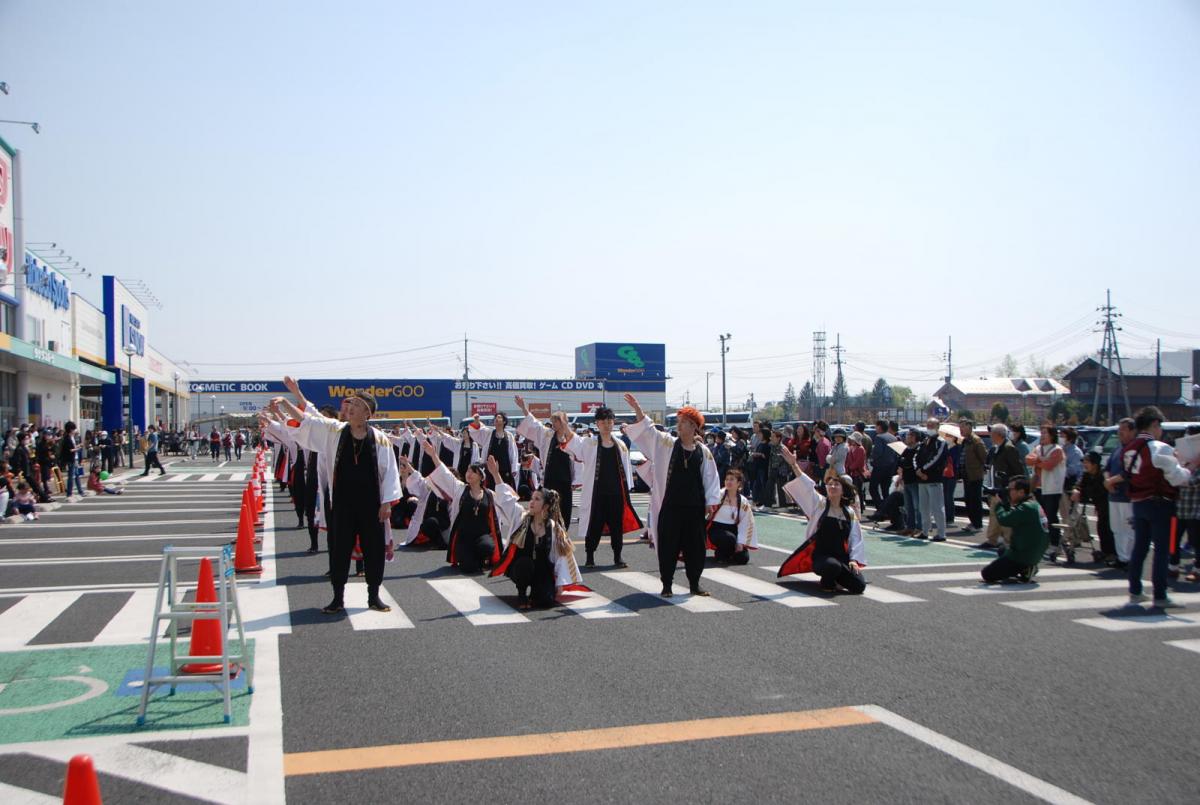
(170, 607)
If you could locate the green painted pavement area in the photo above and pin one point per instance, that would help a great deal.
(882, 547)
(85, 691)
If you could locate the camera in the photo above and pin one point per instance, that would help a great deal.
(996, 483)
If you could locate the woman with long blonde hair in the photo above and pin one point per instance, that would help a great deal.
(540, 558)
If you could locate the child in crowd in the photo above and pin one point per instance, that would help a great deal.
(25, 502)
(95, 484)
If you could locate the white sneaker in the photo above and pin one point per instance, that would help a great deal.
(29, 518)
(1137, 598)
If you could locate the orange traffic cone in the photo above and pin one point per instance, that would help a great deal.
(206, 632)
(245, 563)
(82, 787)
(249, 502)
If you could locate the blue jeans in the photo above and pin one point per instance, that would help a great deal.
(1151, 524)
(911, 506)
(72, 478)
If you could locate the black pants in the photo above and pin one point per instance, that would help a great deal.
(228, 453)
(310, 510)
(472, 552)
(893, 510)
(215, 449)
(237, 451)
(1050, 508)
(435, 532)
(606, 510)
(833, 570)
(107, 459)
(563, 489)
(681, 528)
(534, 578)
(152, 461)
(724, 539)
(880, 483)
(973, 497)
(1000, 569)
(299, 487)
(362, 521)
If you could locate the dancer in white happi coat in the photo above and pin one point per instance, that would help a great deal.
(685, 487)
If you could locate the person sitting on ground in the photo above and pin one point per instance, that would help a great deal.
(731, 526)
(833, 548)
(892, 508)
(25, 503)
(1022, 514)
(95, 484)
(540, 558)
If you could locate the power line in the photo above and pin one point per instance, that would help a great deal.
(328, 360)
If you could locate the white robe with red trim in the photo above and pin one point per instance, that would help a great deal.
(320, 433)
(657, 447)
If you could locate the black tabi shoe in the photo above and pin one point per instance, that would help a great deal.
(667, 592)
(700, 591)
(378, 605)
(311, 551)
(591, 562)
(617, 563)
(334, 608)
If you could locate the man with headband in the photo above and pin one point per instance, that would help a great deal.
(685, 488)
(364, 484)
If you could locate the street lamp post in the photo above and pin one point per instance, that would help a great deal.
(214, 408)
(175, 405)
(129, 353)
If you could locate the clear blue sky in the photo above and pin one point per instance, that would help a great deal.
(302, 181)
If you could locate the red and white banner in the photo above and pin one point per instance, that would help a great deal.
(540, 410)
(588, 407)
(483, 409)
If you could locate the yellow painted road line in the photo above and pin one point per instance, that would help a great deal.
(508, 746)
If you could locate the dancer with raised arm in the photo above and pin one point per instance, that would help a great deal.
(364, 484)
(833, 547)
(685, 487)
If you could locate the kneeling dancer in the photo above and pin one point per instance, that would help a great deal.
(731, 526)
(540, 558)
(833, 548)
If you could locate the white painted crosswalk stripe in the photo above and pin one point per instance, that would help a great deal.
(592, 605)
(1088, 602)
(211, 476)
(1048, 587)
(131, 624)
(238, 476)
(973, 575)
(176, 478)
(21, 622)
(1135, 622)
(645, 583)
(476, 603)
(365, 620)
(1186, 645)
(768, 591)
(871, 593)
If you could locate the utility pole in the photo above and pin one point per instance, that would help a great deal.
(707, 376)
(1108, 351)
(818, 397)
(949, 359)
(466, 383)
(724, 349)
(1157, 368)
(837, 359)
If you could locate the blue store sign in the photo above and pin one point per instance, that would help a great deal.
(45, 282)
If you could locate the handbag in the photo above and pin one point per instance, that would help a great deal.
(1077, 532)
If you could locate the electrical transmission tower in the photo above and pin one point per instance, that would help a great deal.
(818, 372)
(1109, 351)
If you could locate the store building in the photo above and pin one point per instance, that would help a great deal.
(149, 388)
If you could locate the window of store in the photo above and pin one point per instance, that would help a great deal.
(8, 318)
(8, 400)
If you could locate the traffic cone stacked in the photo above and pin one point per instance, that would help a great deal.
(81, 787)
(245, 563)
(206, 632)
